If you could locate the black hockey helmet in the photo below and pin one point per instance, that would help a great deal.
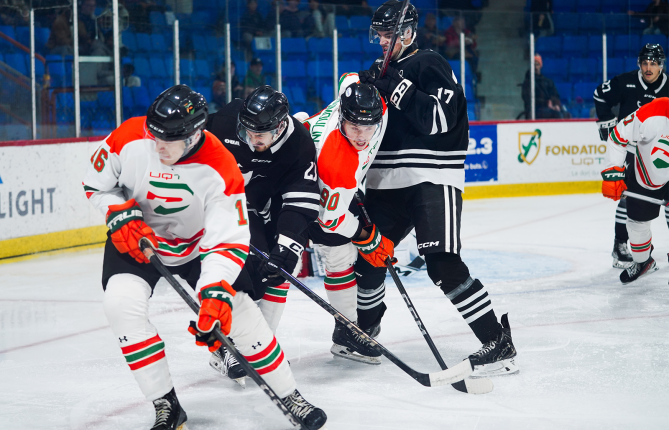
(361, 104)
(263, 110)
(177, 114)
(386, 16)
(653, 52)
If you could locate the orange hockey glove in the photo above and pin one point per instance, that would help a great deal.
(613, 183)
(376, 248)
(127, 226)
(215, 309)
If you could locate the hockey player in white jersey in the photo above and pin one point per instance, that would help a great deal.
(164, 178)
(347, 135)
(644, 134)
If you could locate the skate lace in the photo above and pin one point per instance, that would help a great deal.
(297, 405)
(486, 349)
(230, 360)
(633, 269)
(163, 409)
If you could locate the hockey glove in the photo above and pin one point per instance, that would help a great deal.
(285, 255)
(397, 90)
(127, 227)
(215, 309)
(605, 128)
(204, 339)
(376, 248)
(613, 184)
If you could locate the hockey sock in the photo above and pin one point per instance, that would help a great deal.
(255, 340)
(342, 289)
(370, 306)
(472, 301)
(273, 303)
(621, 221)
(126, 304)
(640, 239)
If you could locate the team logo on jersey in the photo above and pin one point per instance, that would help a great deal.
(660, 154)
(167, 198)
(529, 145)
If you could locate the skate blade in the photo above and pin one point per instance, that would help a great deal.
(343, 352)
(182, 427)
(241, 381)
(501, 368)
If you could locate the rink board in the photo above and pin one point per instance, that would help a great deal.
(43, 206)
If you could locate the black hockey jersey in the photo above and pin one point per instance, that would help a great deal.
(630, 91)
(427, 141)
(285, 172)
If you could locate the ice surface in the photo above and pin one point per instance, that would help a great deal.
(593, 354)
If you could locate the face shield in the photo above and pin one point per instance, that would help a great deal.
(260, 141)
(170, 151)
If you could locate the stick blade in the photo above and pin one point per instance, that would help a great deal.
(451, 375)
(478, 385)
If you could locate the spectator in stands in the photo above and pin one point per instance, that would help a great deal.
(466, 9)
(220, 78)
(295, 22)
(270, 21)
(140, 11)
(546, 96)
(657, 16)
(452, 36)
(323, 19)
(349, 8)
(428, 36)
(254, 77)
(129, 77)
(542, 18)
(252, 24)
(60, 39)
(14, 13)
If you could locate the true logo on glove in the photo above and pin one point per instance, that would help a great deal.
(123, 216)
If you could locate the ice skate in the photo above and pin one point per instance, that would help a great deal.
(622, 259)
(374, 330)
(226, 363)
(312, 417)
(496, 358)
(637, 270)
(348, 344)
(169, 413)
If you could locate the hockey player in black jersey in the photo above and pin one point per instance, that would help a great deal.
(277, 159)
(625, 94)
(417, 181)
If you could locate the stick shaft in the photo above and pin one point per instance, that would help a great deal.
(250, 371)
(393, 40)
(645, 198)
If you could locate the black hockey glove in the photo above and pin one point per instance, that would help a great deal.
(606, 127)
(204, 339)
(285, 255)
(397, 90)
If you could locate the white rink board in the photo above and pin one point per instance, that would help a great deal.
(565, 152)
(42, 184)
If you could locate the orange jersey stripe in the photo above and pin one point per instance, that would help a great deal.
(338, 162)
(213, 154)
(658, 107)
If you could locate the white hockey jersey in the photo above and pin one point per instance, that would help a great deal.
(341, 168)
(644, 133)
(195, 207)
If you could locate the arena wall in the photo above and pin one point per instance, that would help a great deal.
(43, 206)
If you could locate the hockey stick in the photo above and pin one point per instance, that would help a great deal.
(472, 386)
(645, 198)
(146, 248)
(393, 40)
(445, 377)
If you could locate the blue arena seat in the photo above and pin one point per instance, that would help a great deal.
(564, 6)
(565, 23)
(348, 66)
(549, 46)
(293, 69)
(349, 45)
(595, 45)
(158, 43)
(18, 62)
(320, 69)
(615, 66)
(588, 6)
(564, 89)
(626, 45)
(584, 69)
(144, 43)
(143, 68)
(590, 23)
(654, 38)
(556, 69)
(320, 48)
(294, 48)
(574, 46)
(585, 90)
